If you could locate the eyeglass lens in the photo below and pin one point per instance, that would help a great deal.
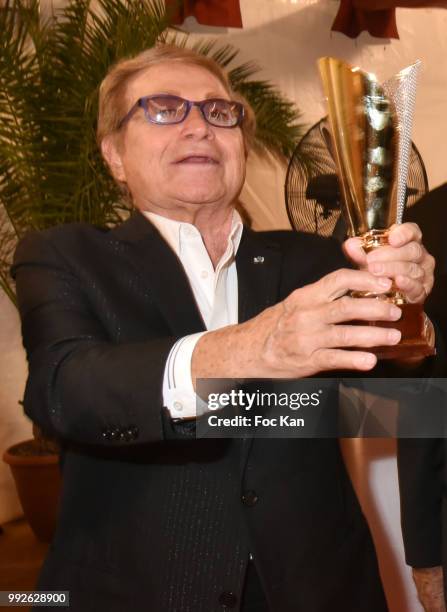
(173, 109)
(166, 109)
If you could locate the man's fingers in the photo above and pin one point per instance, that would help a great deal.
(338, 283)
(337, 359)
(364, 309)
(412, 251)
(414, 291)
(353, 249)
(402, 233)
(391, 269)
(340, 336)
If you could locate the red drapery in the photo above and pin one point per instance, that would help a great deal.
(224, 13)
(378, 17)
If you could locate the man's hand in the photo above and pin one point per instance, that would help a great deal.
(429, 583)
(408, 263)
(307, 333)
(405, 260)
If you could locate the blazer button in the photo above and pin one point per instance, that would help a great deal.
(249, 498)
(133, 432)
(115, 434)
(227, 600)
(125, 435)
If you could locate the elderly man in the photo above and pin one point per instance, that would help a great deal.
(118, 324)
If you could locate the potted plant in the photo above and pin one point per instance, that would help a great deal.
(51, 170)
(35, 468)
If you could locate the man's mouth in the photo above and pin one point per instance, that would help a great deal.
(197, 159)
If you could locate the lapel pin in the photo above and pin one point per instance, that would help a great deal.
(258, 259)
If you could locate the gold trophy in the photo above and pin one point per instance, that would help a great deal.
(370, 126)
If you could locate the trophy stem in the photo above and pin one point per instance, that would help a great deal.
(374, 239)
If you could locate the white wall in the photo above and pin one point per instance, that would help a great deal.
(14, 427)
(286, 37)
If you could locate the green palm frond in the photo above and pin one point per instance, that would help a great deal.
(277, 120)
(51, 170)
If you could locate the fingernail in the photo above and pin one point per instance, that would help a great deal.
(395, 313)
(394, 336)
(368, 360)
(384, 282)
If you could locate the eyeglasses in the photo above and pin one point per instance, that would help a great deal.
(164, 109)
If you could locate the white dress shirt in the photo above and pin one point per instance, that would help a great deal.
(216, 295)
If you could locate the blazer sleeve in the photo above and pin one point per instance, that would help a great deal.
(82, 387)
(422, 462)
(421, 476)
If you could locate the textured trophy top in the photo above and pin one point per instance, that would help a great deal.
(371, 141)
(401, 89)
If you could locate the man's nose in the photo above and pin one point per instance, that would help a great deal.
(196, 125)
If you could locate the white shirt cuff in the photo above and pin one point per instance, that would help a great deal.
(179, 396)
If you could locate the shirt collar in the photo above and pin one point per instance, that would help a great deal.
(177, 233)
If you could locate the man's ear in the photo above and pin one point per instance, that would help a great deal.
(111, 153)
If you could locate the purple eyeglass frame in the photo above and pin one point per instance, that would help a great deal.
(142, 103)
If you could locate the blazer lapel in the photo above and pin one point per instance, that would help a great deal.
(258, 263)
(162, 271)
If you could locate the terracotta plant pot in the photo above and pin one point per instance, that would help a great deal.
(38, 480)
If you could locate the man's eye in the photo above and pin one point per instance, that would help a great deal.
(167, 113)
(160, 111)
(217, 112)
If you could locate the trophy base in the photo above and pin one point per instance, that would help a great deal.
(414, 329)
